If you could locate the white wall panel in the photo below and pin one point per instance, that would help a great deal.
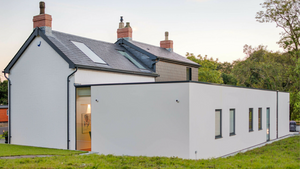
(141, 120)
(85, 76)
(205, 98)
(283, 113)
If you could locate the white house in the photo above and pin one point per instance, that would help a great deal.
(130, 98)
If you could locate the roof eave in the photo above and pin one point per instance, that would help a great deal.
(178, 62)
(117, 70)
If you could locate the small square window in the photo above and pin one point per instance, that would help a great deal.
(232, 122)
(259, 118)
(218, 123)
(188, 73)
(250, 119)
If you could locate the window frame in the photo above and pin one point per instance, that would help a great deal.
(259, 118)
(220, 135)
(250, 120)
(188, 73)
(232, 133)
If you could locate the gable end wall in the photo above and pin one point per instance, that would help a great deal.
(39, 97)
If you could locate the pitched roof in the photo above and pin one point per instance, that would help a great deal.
(61, 43)
(163, 53)
(3, 106)
(108, 52)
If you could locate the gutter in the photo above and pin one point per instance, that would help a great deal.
(68, 109)
(9, 108)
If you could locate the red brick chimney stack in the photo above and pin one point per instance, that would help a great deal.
(167, 44)
(124, 32)
(42, 20)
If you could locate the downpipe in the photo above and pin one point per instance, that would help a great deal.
(68, 108)
(9, 107)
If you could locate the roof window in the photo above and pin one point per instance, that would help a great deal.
(88, 52)
(131, 59)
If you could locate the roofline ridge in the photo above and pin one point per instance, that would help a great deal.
(82, 37)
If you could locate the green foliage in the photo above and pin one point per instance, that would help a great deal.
(262, 69)
(286, 15)
(208, 71)
(3, 92)
(5, 134)
(280, 154)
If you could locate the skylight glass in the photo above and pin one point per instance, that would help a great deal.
(88, 52)
(137, 64)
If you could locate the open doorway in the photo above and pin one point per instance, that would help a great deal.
(83, 119)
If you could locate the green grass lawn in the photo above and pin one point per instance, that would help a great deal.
(16, 150)
(281, 154)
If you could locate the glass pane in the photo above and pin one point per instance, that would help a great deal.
(88, 52)
(188, 73)
(137, 64)
(259, 118)
(232, 121)
(218, 123)
(250, 119)
(83, 119)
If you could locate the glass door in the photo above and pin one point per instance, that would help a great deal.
(83, 119)
(268, 124)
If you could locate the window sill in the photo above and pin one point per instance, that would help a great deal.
(260, 129)
(251, 130)
(218, 137)
(232, 134)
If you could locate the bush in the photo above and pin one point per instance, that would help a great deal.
(5, 134)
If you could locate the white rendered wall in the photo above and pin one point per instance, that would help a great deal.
(141, 120)
(283, 113)
(39, 97)
(85, 76)
(205, 98)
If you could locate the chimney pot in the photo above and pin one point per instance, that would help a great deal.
(42, 7)
(121, 24)
(127, 25)
(166, 35)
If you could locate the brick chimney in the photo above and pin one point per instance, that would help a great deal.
(124, 32)
(43, 21)
(167, 44)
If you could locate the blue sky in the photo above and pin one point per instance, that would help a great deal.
(217, 28)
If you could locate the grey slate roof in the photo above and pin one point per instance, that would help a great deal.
(106, 51)
(3, 106)
(163, 53)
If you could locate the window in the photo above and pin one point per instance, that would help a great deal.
(259, 118)
(218, 123)
(88, 52)
(232, 122)
(132, 60)
(250, 119)
(188, 73)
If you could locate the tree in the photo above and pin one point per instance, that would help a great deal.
(3, 92)
(227, 76)
(208, 71)
(286, 15)
(262, 69)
